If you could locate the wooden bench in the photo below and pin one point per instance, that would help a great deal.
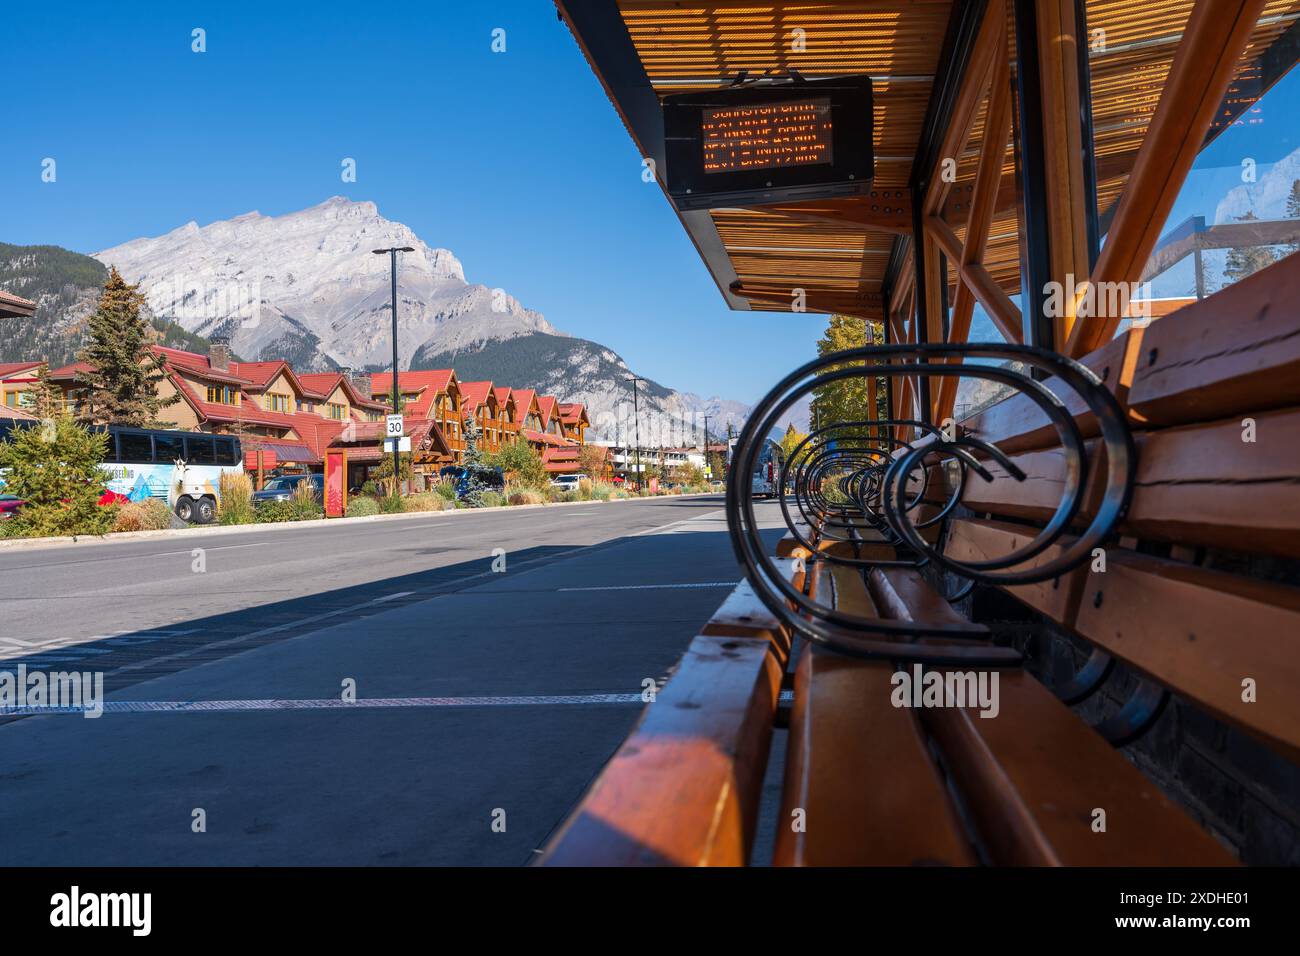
(870, 783)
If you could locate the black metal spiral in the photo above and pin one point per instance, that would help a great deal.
(848, 475)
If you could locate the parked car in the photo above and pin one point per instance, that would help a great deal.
(10, 506)
(283, 488)
(718, 484)
(495, 480)
(568, 482)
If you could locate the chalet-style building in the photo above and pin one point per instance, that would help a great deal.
(427, 395)
(287, 420)
(17, 379)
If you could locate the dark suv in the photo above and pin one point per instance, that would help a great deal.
(282, 488)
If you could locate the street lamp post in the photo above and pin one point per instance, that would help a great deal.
(392, 257)
(636, 425)
(706, 446)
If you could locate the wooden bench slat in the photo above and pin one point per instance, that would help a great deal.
(1018, 424)
(849, 591)
(972, 539)
(1235, 352)
(1204, 485)
(859, 769)
(902, 594)
(1032, 777)
(683, 789)
(1202, 633)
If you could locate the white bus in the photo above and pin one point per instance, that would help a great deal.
(181, 468)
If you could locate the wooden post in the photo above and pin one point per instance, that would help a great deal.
(1208, 55)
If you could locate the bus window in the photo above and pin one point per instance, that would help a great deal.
(200, 450)
(134, 448)
(227, 451)
(167, 448)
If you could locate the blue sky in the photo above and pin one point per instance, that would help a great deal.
(516, 162)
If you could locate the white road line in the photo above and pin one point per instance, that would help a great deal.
(672, 524)
(391, 597)
(329, 703)
(648, 587)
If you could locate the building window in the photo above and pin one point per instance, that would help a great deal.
(222, 395)
(277, 403)
(337, 411)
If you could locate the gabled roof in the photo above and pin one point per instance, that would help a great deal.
(573, 412)
(427, 384)
(10, 368)
(16, 414)
(474, 394)
(525, 400)
(13, 306)
(322, 385)
(66, 373)
(197, 365)
(546, 405)
(262, 374)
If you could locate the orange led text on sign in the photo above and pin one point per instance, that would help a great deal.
(793, 133)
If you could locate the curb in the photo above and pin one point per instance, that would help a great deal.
(22, 544)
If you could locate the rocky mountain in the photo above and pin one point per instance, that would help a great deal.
(1266, 198)
(65, 287)
(305, 287)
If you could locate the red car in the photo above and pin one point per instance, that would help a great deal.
(9, 505)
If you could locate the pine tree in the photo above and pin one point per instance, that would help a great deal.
(1293, 209)
(122, 385)
(477, 471)
(1246, 260)
(47, 398)
(54, 468)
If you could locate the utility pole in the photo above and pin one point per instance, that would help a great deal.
(706, 446)
(392, 258)
(636, 424)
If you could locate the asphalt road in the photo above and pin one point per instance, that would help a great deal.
(485, 700)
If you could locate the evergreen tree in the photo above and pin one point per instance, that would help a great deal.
(54, 468)
(122, 385)
(1246, 260)
(477, 470)
(1293, 208)
(47, 398)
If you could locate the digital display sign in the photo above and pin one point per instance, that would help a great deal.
(769, 141)
(767, 136)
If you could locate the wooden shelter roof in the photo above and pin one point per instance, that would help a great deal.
(840, 251)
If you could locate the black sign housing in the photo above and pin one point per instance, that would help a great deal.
(769, 143)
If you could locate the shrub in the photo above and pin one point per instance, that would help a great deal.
(601, 491)
(446, 490)
(272, 511)
(148, 515)
(236, 498)
(493, 499)
(390, 505)
(526, 496)
(371, 487)
(362, 507)
(521, 465)
(305, 504)
(54, 467)
(425, 501)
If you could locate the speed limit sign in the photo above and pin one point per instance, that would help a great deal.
(393, 426)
